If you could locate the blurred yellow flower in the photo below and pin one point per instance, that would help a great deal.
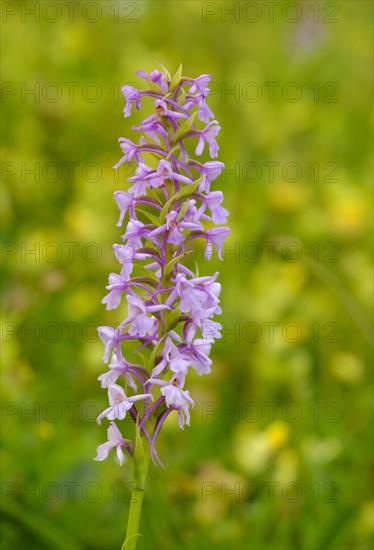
(286, 196)
(253, 451)
(347, 367)
(278, 435)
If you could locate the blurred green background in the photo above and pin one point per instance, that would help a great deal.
(296, 453)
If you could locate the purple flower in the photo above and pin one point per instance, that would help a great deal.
(211, 170)
(204, 113)
(141, 183)
(198, 352)
(213, 201)
(143, 74)
(163, 111)
(132, 95)
(142, 324)
(146, 177)
(119, 403)
(125, 255)
(159, 78)
(120, 366)
(124, 201)
(165, 171)
(110, 338)
(177, 362)
(152, 129)
(117, 285)
(196, 298)
(156, 77)
(129, 150)
(115, 370)
(115, 439)
(172, 357)
(216, 236)
(176, 398)
(173, 227)
(200, 88)
(200, 84)
(208, 135)
(211, 330)
(135, 231)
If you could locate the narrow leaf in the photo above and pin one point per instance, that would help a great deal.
(197, 269)
(151, 217)
(169, 266)
(145, 280)
(185, 128)
(183, 210)
(171, 151)
(148, 250)
(176, 78)
(187, 190)
(172, 319)
(155, 350)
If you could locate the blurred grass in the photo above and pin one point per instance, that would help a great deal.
(328, 449)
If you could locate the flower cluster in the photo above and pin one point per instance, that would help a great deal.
(169, 307)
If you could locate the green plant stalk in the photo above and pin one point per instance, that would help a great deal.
(140, 468)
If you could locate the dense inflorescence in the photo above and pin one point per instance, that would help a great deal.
(170, 308)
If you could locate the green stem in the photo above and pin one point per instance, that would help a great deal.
(140, 468)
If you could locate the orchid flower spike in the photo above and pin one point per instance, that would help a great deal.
(169, 308)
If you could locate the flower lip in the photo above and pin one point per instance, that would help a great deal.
(160, 110)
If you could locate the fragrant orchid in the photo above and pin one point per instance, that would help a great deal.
(170, 308)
